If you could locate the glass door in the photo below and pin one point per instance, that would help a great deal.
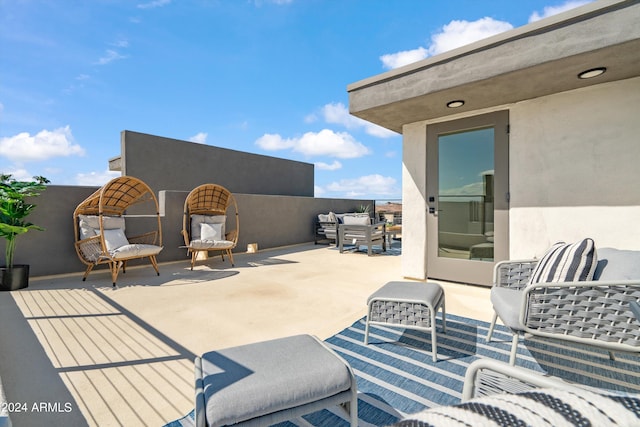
(467, 175)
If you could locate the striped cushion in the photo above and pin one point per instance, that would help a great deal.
(567, 263)
(539, 407)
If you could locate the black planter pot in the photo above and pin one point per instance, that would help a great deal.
(12, 279)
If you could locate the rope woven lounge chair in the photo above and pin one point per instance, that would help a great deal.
(595, 309)
(204, 222)
(99, 226)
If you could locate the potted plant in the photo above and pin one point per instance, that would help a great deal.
(13, 211)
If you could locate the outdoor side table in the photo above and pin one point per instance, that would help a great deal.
(410, 305)
(268, 382)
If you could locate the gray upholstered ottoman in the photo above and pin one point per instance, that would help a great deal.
(268, 382)
(411, 305)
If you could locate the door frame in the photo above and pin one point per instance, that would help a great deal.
(462, 270)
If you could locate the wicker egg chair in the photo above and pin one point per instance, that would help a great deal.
(204, 222)
(99, 226)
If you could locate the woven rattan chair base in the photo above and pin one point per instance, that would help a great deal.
(408, 305)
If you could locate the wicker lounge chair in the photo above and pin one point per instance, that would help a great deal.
(596, 312)
(204, 223)
(99, 225)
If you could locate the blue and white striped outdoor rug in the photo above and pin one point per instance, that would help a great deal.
(396, 375)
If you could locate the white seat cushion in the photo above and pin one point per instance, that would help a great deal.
(356, 220)
(135, 251)
(211, 244)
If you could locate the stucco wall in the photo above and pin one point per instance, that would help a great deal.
(414, 214)
(270, 221)
(574, 172)
(166, 163)
(575, 168)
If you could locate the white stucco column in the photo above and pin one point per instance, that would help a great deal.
(414, 219)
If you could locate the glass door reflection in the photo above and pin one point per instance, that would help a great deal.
(466, 195)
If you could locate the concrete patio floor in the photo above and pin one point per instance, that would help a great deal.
(76, 353)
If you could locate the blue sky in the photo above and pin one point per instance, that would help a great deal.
(261, 76)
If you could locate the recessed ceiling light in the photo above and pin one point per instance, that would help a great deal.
(591, 73)
(455, 104)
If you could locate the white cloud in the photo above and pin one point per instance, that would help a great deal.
(330, 143)
(42, 146)
(97, 179)
(337, 113)
(318, 191)
(368, 185)
(274, 142)
(554, 10)
(311, 118)
(329, 167)
(398, 59)
(121, 43)
(453, 35)
(200, 138)
(153, 4)
(19, 174)
(110, 56)
(460, 33)
(324, 143)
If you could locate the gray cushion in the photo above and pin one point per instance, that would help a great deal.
(405, 291)
(196, 220)
(90, 226)
(567, 263)
(114, 239)
(617, 264)
(356, 220)
(253, 380)
(507, 303)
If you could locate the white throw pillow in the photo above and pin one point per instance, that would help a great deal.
(115, 238)
(211, 231)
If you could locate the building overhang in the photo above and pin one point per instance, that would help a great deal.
(538, 59)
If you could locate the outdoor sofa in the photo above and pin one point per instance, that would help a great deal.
(325, 226)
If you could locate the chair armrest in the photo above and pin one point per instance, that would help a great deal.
(90, 249)
(486, 377)
(514, 274)
(323, 225)
(232, 236)
(590, 312)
